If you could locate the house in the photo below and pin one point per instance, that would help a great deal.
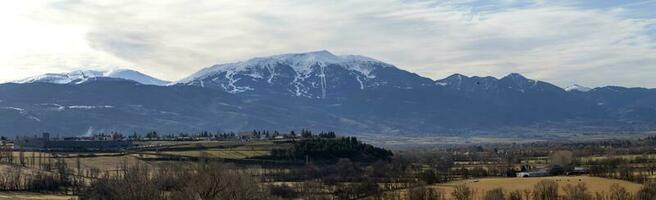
(539, 173)
(579, 171)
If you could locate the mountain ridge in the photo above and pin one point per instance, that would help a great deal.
(302, 64)
(81, 76)
(324, 92)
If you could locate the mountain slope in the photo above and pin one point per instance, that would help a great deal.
(317, 74)
(81, 76)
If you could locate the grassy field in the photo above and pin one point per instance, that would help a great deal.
(480, 186)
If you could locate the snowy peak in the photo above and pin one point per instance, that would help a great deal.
(315, 74)
(512, 82)
(309, 57)
(577, 87)
(519, 80)
(302, 64)
(134, 76)
(81, 76)
(516, 77)
(73, 77)
(453, 80)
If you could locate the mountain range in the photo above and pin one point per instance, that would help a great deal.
(320, 91)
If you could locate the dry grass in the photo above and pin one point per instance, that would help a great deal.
(33, 196)
(594, 184)
(102, 162)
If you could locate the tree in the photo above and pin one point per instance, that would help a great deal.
(152, 135)
(306, 133)
(648, 192)
(515, 195)
(424, 193)
(576, 192)
(562, 158)
(618, 192)
(545, 190)
(430, 177)
(462, 192)
(327, 135)
(202, 181)
(494, 194)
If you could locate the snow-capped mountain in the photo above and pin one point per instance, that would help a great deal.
(81, 76)
(315, 90)
(579, 88)
(313, 74)
(135, 76)
(511, 82)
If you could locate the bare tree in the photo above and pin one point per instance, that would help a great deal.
(648, 192)
(462, 192)
(494, 194)
(214, 181)
(576, 192)
(515, 195)
(545, 190)
(425, 193)
(562, 158)
(618, 192)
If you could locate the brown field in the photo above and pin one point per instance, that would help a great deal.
(33, 196)
(480, 186)
(231, 154)
(103, 162)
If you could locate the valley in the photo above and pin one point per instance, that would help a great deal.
(299, 165)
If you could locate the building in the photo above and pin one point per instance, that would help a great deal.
(45, 143)
(579, 171)
(540, 173)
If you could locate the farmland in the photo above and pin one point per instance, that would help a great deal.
(301, 167)
(480, 186)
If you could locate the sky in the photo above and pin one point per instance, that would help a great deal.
(592, 43)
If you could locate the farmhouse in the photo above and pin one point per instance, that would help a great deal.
(540, 173)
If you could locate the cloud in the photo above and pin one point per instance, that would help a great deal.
(563, 42)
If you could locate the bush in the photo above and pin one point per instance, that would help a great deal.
(462, 192)
(200, 181)
(648, 192)
(576, 192)
(424, 193)
(495, 194)
(515, 195)
(284, 191)
(545, 190)
(618, 192)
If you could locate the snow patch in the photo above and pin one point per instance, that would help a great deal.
(301, 63)
(23, 112)
(89, 107)
(577, 87)
(82, 76)
(361, 83)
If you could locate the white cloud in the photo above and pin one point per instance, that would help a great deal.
(557, 42)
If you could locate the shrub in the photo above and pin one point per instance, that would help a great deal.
(494, 194)
(545, 190)
(462, 192)
(576, 192)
